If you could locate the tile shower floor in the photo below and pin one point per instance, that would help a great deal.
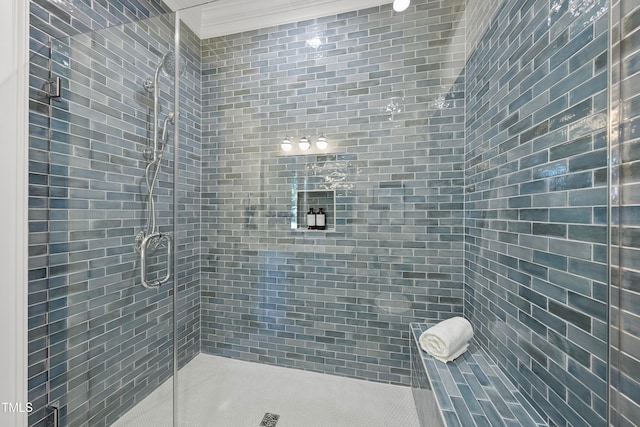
(221, 392)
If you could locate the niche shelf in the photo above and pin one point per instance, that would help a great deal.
(325, 199)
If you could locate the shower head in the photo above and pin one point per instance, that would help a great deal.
(168, 67)
(168, 64)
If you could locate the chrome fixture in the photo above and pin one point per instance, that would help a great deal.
(153, 241)
(304, 143)
(169, 120)
(53, 87)
(286, 144)
(321, 142)
(168, 66)
(151, 238)
(401, 5)
(53, 414)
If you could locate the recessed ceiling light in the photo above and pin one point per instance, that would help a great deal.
(401, 5)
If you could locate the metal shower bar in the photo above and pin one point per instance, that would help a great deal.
(150, 239)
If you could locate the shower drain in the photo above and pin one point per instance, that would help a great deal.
(269, 420)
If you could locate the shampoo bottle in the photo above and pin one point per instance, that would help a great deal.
(321, 220)
(311, 219)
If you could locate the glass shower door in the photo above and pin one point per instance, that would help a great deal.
(107, 336)
(624, 158)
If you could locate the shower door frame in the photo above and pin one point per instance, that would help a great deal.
(176, 187)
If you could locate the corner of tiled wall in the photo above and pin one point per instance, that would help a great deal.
(536, 200)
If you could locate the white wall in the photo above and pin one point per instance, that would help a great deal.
(13, 208)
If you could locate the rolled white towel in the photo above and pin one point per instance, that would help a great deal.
(448, 339)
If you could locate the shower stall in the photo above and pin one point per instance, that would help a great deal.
(477, 159)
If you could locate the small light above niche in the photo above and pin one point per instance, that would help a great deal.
(305, 145)
(286, 144)
(322, 142)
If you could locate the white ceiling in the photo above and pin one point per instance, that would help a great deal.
(222, 17)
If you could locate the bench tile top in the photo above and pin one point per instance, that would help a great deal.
(473, 391)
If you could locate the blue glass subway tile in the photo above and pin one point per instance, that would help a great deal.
(592, 270)
(572, 46)
(571, 182)
(451, 419)
(462, 411)
(571, 215)
(470, 400)
(495, 419)
(481, 421)
(596, 309)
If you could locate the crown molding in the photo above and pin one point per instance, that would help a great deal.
(223, 17)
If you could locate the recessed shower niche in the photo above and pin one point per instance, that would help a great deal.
(305, 201)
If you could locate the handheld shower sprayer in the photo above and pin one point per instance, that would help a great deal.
(169, 120)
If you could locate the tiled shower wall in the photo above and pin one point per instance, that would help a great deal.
(625, 216)
(536, 201)
(99, 342)
(387, 91)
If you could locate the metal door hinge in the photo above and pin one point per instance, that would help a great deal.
(53, 86)
(53, 415)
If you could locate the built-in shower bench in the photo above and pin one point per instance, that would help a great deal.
(469, 391)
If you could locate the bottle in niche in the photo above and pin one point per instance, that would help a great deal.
(321, 220)
(311, 219)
